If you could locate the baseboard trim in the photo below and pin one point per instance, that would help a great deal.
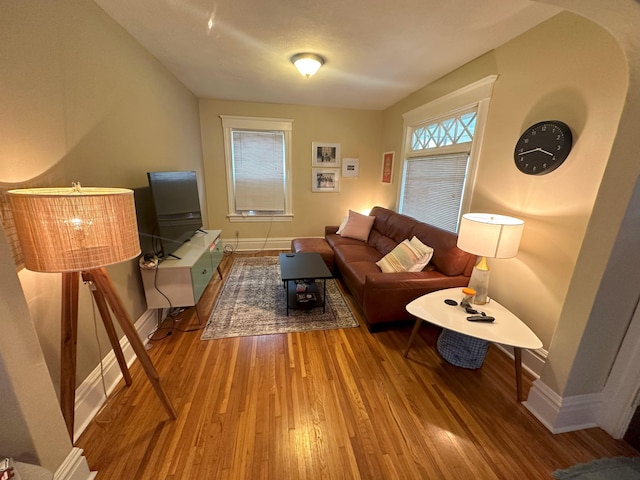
(560, 415)
(90, 395)
(74, 467)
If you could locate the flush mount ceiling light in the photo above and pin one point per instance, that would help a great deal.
(307, 63)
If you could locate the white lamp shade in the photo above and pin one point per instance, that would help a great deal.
(489, 235)
(70, 229)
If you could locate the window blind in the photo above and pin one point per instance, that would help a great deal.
(259, 170)
(433, 189)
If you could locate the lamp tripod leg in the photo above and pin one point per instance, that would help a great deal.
(68, 346)
(105, 286)
(108, 325)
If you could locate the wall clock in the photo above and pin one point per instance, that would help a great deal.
(543, 147)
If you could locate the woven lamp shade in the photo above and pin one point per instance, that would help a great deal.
(75, 229)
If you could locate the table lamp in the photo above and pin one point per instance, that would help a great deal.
(488, 235)
(81, 230)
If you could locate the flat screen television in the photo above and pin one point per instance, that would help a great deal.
(177, 208)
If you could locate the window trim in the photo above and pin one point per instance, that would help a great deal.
(476, 95)
(231, 122)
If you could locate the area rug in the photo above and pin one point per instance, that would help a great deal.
(253, 302)
(618, 468)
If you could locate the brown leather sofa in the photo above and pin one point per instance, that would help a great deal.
(384, 296)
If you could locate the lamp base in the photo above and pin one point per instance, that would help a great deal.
(479, 281)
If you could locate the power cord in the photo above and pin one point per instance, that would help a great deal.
(173, 328)
(107, 399)
(266, 238)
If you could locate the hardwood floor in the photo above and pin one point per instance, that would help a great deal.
(336, 404)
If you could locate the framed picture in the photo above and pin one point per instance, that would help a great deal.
(326, 155)
(350, 167)
(325, 179)
(387, 167)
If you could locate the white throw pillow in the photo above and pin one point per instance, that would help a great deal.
(342, 224)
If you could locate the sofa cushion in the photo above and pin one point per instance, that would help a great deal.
(354, 275)
(393, 225)
(335, 240)
(345, 254)
(381, 242)
(317, 245)
(358, 226)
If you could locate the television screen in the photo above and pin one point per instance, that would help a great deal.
(177, 207)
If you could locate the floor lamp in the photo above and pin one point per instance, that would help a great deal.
(488, 235)
(78, 231)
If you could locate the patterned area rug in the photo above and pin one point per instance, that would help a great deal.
(619, 468)
(252, 302)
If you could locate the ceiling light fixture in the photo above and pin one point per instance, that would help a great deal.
(307, 63)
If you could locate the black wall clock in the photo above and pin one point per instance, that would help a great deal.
(543, 147)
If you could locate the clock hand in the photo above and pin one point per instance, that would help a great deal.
(529, 151)
(538, 149)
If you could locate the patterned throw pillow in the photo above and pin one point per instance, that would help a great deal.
(408, 256)
(426, 252)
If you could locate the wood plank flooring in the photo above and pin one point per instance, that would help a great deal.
(336, 404)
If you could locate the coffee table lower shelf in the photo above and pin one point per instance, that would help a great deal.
(293, 296)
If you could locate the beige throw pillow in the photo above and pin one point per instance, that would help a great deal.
(358, 226)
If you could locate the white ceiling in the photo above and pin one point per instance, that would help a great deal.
(377, 51)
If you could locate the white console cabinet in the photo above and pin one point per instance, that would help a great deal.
(180, 282)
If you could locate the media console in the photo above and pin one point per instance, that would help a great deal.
(180, 281)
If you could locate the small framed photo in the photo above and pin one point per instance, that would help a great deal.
(326, 155)
(350, 167)
(325, 180)
(387, 167)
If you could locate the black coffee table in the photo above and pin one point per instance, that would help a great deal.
(307, 267)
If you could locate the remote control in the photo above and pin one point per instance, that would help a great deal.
(480, 318)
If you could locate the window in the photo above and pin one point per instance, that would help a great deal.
(433, 189)
(257, 154)
(440, 155)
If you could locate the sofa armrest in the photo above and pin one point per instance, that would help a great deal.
(386, 295)
(331, 229)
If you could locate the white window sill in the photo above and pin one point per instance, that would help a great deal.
(260, 218)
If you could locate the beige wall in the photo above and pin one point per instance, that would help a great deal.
(357, 131)
(582, 83)
(82, 101)
(588, 94)
(588, 335)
